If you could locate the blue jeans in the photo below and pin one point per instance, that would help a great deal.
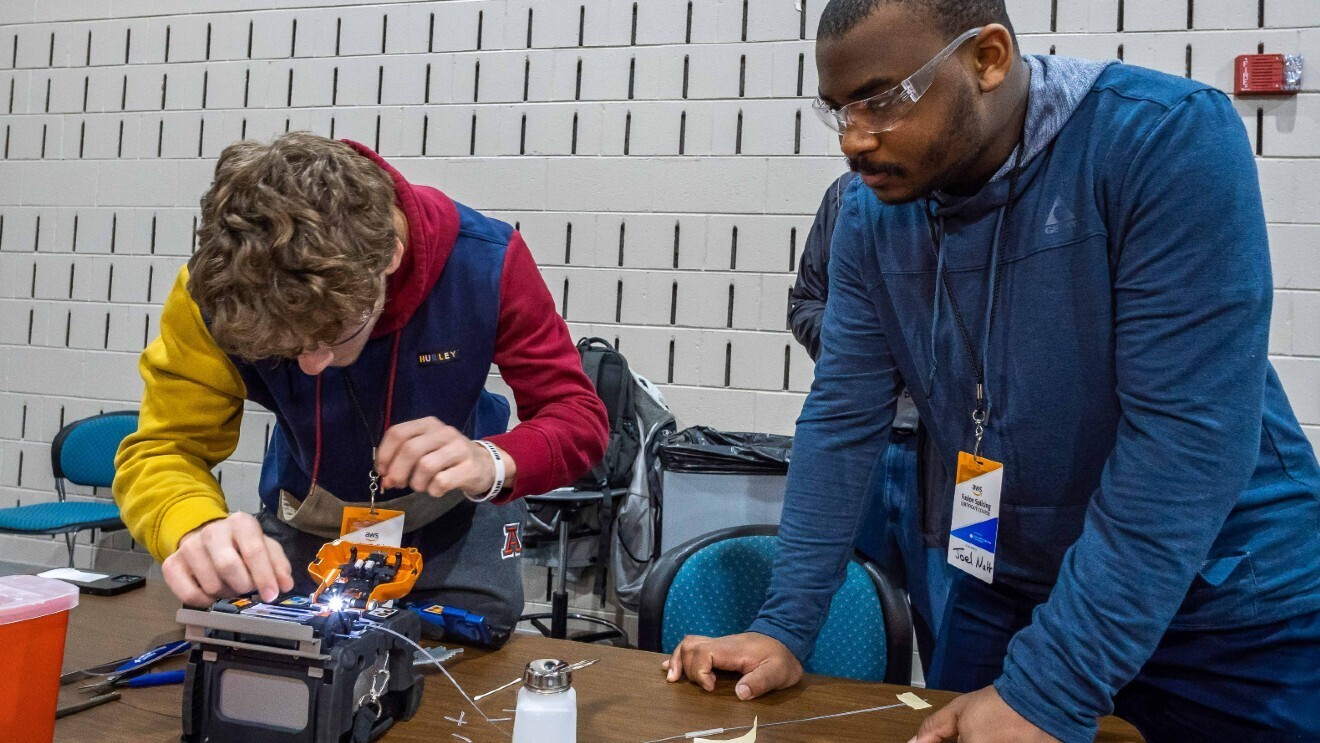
(1241, 685)
(891, 536)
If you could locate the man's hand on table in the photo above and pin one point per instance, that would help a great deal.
(765, 663)
(980, 717)
(227, 557)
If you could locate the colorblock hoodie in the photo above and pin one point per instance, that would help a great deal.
(468, 294)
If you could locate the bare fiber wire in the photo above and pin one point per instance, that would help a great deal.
(445, 671)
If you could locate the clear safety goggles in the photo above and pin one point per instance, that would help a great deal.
(883, 111)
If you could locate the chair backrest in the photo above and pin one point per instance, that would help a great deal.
(84, 451)
(715, 585)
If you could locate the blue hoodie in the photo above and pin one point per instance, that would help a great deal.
(1155, 476)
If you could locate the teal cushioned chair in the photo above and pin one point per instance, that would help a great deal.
(715, 584)
(83, 453)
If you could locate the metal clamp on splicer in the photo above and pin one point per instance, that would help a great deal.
(332, 667)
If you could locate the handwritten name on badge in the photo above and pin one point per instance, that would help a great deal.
(980, 563)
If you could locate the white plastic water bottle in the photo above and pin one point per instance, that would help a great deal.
(547, 704)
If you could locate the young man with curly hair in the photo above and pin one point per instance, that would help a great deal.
(365, 312)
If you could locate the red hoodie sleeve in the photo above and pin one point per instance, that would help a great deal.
(563, 427)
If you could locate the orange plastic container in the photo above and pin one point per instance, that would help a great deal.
(34, 614)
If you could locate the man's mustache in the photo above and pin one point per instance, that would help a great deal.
(863, 167)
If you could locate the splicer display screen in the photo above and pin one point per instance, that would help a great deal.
(265, 700)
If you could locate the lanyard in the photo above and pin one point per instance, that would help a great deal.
(980, 412)
(375, 435)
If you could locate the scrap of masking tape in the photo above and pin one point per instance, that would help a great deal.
(913, 701)
(748, 737)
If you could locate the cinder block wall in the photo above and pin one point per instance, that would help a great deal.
(660, 156)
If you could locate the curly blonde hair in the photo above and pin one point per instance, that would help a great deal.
(294, 238)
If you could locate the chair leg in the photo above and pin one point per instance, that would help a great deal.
(612, 631)
(559, 600)
(69, 541)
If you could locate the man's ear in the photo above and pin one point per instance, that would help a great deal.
(995, 56)
(397, 260)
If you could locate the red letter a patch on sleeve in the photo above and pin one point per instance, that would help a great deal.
(512, 542)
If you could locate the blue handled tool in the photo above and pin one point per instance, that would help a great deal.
(152, 656)
(148, 658)
(163, 678)
(457, 624)
(99, 670)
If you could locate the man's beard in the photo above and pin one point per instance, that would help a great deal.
(964, 129)
(967, 132)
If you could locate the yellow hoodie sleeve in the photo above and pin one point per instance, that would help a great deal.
(189, 422)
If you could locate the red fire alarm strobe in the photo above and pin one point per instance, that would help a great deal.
(1268, 74)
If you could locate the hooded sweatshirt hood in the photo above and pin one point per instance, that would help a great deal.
(432, 229)
(1058, 85)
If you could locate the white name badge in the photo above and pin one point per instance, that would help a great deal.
(975, 529)
(364, 526)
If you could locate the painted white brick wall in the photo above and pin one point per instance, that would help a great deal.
(629, 141)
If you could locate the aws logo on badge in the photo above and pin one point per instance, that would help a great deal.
(437, 357)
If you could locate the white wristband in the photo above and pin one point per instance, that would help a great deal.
(498, 485)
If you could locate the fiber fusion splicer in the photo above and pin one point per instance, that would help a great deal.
(330, 667)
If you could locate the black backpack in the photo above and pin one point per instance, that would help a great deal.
(609, 374)
(590, 540)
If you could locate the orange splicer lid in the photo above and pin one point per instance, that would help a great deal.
(326, 567)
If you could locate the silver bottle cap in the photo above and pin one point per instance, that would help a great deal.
(548, 676)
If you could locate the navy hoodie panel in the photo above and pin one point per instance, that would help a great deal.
(444, 358)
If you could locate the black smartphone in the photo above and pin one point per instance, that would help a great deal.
(110, 586)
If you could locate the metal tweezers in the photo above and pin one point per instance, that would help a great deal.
(86, 704)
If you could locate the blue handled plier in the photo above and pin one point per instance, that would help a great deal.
(133, 665)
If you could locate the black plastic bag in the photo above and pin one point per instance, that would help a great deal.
(701, 449)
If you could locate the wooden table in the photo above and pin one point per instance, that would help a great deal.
(623, 698)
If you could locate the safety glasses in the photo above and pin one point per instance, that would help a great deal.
(366, 318)
(882, 112)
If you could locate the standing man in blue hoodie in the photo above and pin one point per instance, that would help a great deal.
(1067, 264)
(890, 532)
